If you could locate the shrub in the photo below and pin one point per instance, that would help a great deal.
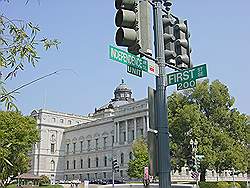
(222, 184)
(231, 185)
(44, 180)
(207, 185)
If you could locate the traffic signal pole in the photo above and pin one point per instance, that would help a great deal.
(161, 117)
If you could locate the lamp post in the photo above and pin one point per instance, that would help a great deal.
(233, 178)
(194, 145)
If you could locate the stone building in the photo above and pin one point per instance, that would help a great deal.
(82, 147)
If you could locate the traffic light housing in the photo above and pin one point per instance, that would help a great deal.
(191, 162)
(176, 42)
(133, 22)
(169, 39)
(115, 165)
(182, 44)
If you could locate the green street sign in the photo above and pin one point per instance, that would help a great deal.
(133, 61)
(134, 71)
(186, 75)
(128, 58)
(186, 84)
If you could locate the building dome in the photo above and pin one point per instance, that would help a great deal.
(123, 95)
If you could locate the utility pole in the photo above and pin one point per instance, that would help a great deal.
(161, 118)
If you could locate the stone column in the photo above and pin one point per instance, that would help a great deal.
(126, 129)
(118, 132)
(144, 121)
(115, 132)
(134, 128)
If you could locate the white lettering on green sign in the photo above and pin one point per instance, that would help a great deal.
(187, 75)
(127, 58)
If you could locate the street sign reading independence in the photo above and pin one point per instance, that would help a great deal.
(133, 61)
(128, 58)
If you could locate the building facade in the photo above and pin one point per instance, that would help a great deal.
(82, 147)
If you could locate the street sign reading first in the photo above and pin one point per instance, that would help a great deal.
(133, 61)
(186, 78)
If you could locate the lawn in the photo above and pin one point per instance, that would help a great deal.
(43, 186)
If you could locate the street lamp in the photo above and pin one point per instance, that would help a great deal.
(194, 145)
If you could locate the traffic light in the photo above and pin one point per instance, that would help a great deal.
(199, 158)
(115, 165)
(133, 20)
(169, 38)
(191, 162)
(182, 45)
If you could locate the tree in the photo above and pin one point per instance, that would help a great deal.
(140, 153)
(19, 42)
(206, 113)
(17, 136)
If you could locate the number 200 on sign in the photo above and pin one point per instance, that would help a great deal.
(185, 85)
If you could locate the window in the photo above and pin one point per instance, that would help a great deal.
(187, 172)
(141, 132)
(104, 175)
(53, 120)
(130, 156)
(80, 175)
(52, 148)
(74, 164)
(96, 161)
(67, 148)
(121, 173)
(113, 140)
(213, 173)
(133, 134)
(88, 162)
(69, 122)
(96, 143)
(104, 142)
(122, 158)
(61, 120)
(105, 161)
(124, 136)
(81, 163)
(74, 147)
(66, 177)
(88, 176)
(81, 145)
(67, 165)
(95, 175)
(52, 165)
(88, 144)
(73, 176)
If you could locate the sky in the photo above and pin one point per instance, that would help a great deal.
(220, 35)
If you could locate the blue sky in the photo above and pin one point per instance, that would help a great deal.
(220, 35)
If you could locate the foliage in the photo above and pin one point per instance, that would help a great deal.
(234, 185)
(19, 42)
(17, 136)
(45, 180)
(208, 184)
(206, 113)
(222, 184)
(140, 153)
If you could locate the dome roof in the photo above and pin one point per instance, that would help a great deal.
(122, 96)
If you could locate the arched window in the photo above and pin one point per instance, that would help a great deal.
(88, 162)
(81, 163)
(96, 161)
(105, 161)
(52, 165)
(67, 165)
(122, 158)
(130, 156)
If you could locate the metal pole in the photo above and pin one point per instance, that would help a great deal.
(113, 178)
(161, 117)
